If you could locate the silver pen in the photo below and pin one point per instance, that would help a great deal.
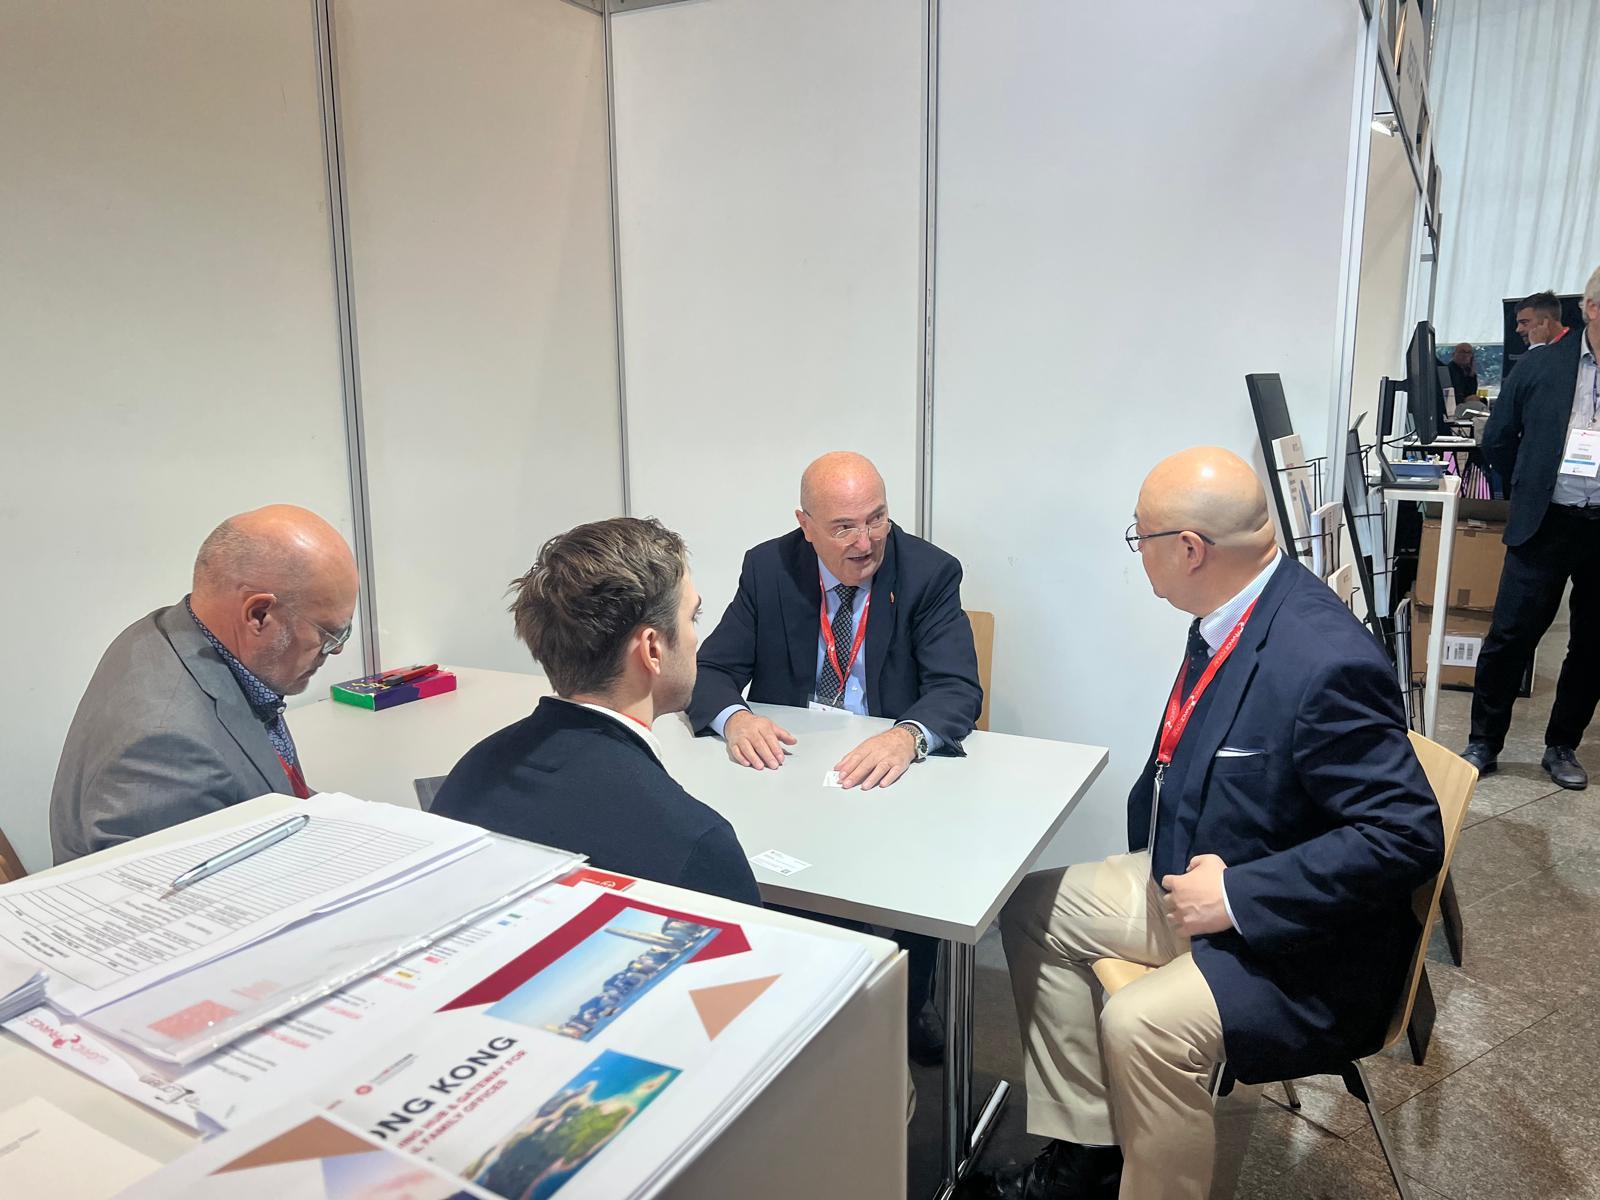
(267, 837)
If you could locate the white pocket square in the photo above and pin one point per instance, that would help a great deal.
(1234, 752)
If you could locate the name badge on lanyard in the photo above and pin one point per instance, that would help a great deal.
(831, 651)
(1582, 455)
(1176, 719)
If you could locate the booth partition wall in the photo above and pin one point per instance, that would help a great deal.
(460, 276)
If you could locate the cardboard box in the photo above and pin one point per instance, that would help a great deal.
(1464, 631)
(1475, 565)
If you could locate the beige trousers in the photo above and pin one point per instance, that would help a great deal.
(1133, 1070)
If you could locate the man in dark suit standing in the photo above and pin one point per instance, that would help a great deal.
(1277, 833)
(609, 611)
(852, 613)
(1544, 436)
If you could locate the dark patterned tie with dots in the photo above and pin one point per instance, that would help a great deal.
(829, 686)
(1199, 657)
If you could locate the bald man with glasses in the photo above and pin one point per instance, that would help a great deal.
(847, 612)
(184, 714)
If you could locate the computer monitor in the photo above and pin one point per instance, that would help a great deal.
(1387, 389)
(1424, 396)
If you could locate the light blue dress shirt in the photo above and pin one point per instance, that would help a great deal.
(855, 684)
(1578, 490)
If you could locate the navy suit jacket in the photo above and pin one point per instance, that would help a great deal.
(1326, 822)
(576, 779)
(1527, 431)
(921, 662)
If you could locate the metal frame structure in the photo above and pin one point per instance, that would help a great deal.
(349, 356)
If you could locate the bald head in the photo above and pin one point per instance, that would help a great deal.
(844, 514)
(279, 548)
(839, 476)
(1213, 510)
(272, 585)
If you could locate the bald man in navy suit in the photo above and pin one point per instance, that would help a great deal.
(851, 612)
(1276, 835)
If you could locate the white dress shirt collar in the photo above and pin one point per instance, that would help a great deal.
(1217, 625)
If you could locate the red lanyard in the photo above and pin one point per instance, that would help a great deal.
(297, 779)
(1177, 717)
(827, 633)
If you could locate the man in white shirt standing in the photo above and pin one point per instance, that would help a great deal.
(1544, 436)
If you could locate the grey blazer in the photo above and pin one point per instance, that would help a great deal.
(163, 733)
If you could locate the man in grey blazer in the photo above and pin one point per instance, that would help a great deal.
(184, 714)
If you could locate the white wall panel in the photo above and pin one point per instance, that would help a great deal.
(1133, 214)
(769, 186)
(168, 332)
(480, 235)
(1381, 317)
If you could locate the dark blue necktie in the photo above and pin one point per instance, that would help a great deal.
(1199, 656)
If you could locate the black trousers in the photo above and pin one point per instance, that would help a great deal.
(1566, 546)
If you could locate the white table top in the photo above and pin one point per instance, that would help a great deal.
(937, 853)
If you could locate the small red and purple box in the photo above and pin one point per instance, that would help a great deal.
(390, 688)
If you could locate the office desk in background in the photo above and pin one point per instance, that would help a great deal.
(831, 1123)
(938, 853)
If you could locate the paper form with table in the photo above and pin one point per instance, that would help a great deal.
(107, 930)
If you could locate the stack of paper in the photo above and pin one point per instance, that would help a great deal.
(580, 1041)
(176, 974)
(603, 1058)
(21, 985)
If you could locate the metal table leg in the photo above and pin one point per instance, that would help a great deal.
(963, 1138)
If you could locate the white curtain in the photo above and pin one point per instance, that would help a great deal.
(1516, 97)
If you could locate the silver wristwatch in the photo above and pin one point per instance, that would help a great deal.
(922, 739)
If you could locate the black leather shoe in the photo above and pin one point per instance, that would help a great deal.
(1479, 755)
(1063, 1171)
(1565, 768)
(925, 1039)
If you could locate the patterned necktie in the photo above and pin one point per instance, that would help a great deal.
(1199, 656)
(829, 686)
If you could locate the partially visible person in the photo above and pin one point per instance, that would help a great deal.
(1544, 436)
(1276, 834)
(184, 714)
(608, 610)
(1539, 320)
(1464, 372)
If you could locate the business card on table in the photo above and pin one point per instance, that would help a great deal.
(831, 779)
(778, 861)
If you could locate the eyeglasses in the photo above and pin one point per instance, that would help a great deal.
(850, 533)
(332, 643)
(1133, 539)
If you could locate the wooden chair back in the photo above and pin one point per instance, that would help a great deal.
(983, 638)
(1453, 780)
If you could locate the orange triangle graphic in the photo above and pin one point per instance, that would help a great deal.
(719, 1005)
(315, 1139)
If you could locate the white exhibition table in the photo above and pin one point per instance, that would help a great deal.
(938, 853)
(831, 1123)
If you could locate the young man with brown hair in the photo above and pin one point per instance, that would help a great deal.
(608, 610)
